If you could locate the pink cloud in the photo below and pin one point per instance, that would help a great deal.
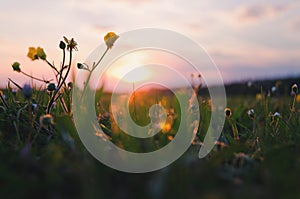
(259, 12)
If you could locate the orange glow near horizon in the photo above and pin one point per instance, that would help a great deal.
(130, 68)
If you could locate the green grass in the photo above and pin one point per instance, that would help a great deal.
(51, 162)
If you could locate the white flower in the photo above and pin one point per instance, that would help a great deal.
(276, 114)
(251, 113)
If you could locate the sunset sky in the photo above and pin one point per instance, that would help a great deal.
(246, 39)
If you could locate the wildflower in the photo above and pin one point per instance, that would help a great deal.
(294, 89)
(36, 53)
(27, 91)
(110, 39)
(51, 87)
(251, 113)
(170, 137)
(258, 96)
(298, 98)
(227, 112)
(165, 127)
(71, 44)
(41, 53)
(34, 106)
(273, 89)
(16, 66)
(32, 53)
(46, 120)
(62, 45)
(276, 115)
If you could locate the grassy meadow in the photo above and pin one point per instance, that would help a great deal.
(47, 159)
(42, 156)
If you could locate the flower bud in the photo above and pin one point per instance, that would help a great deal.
(110, 39)
(80, 66)
(27, 91)
(294, 89)
(16, 66)
(62, 45)
(51, 87)
(251, 113)
(227, 112)
(46, 120)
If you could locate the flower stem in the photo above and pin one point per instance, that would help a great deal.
(60, 85)
(90, 73)
(35, 78)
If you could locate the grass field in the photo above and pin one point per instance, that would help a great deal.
(41, 155)
(45, 158)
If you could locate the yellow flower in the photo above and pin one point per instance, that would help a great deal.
(36, 53)
(258, 96)
(110, 39)
(298, 98)
(32, 53)
(40, 53)
(165, 127)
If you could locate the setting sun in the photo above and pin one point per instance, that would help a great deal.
(130, 68)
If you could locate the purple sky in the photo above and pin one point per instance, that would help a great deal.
(246, 39)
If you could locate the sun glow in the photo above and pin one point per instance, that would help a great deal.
(130, 68)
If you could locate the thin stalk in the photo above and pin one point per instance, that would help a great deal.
(3, 101)
(35, 78)
(90, 73)
(62, 67)
(52, 66)
(60, 85)
(293, 107)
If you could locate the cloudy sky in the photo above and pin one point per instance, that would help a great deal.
(246, 39)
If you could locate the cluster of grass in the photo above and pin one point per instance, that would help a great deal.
(41, 155)
(51, 160)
